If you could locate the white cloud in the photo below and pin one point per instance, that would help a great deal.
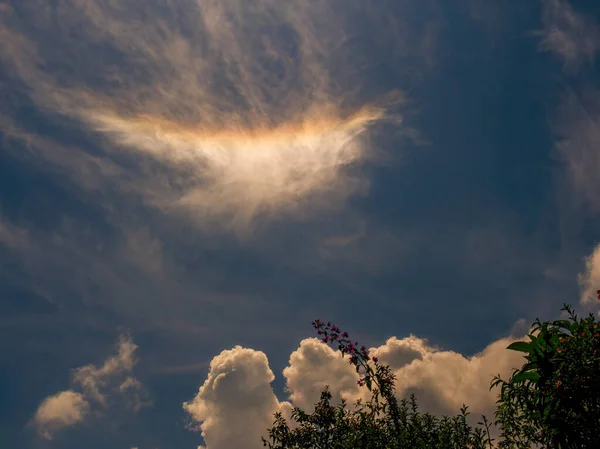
(235, 405)
(444, 380)
(101, 387)
(64, 409)
(311, 367)
(589, 280)
(398, 353)
(573, 37)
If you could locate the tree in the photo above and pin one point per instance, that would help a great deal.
(554, 398)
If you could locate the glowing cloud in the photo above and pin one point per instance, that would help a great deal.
(249, 106)
(242, 173)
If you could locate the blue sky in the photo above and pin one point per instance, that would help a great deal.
(191, 178)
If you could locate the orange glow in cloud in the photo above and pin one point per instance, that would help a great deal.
(244, 102)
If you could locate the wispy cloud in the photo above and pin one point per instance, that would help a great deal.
(571, 36)
(13, 237)
(100, 388)
(246, 119)
(578, 128)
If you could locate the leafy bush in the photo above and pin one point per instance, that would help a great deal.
(382, 422)
(552, 400)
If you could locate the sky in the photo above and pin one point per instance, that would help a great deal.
(185, 185)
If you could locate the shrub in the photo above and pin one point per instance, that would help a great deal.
(553, 400)
(382, 422)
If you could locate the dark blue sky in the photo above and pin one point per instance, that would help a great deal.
(475, 218)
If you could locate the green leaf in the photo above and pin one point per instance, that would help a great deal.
(529, 366)
(525, 375)
(564, 324)
(521, 346)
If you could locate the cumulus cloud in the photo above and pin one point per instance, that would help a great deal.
(589, 280)
(444, 380)
(64, 409)
(227, 118)
(314, 365)
(111, 384)
(235, 405)
(570, 35)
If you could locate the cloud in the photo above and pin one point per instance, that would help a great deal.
(589, 280)
(64, 409)
(181, 116)
(574, 38)
(444, 380)
(311, 367)
(227, 119)
(571, 36)
(101, 387)
(112, 376)
(13, 237)
(235, 405)
(578, 127)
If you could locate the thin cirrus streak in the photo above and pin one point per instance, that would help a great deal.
(244, 102)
